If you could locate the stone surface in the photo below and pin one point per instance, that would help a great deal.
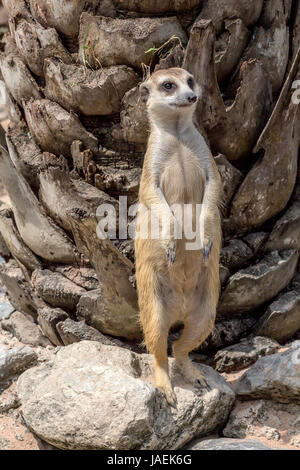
(235, 255)
(243, 354)
(6, 309)
(48, 319)
(102, 397)
(286, 232)
(218, 11)
(231, 178)
(25, 330)
(17, 288)
(57, 128)
(134, 124)
(36, 43)
(90, 308)
(275, 377)
(109, 41)
(56, 290)
(229, 444)
(90, 92)
(282, 318)
(269, 184)
(15, 361)
(229, 332)
(71, 331)
(276, 422)
(251, 287)
(83, 277)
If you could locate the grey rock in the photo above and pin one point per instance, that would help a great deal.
(25, 330)
(231, 178)
(15, 361)
(71, 332)
(286, 232)
(17, 287)
(229, 332)
(91, 308)
(256, 240)
(48, 319)
(275, 377)
(218, 11)
(276, 422)
(102, 397)
(114, 42)
(224, 274)
(134, 124)
(90, 92)
(229, 444)
(235, 255)
(282, 318)
(244, 354)
(56, 289)
(6, 309)
(83, 277)
(251, 287)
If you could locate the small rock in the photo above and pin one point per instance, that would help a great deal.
(56, 289)
(71, 331)
(274, 377)
(15, 361)
(251, 287)
(109, 41)
(256, 240)
(286, 232)
(8, 399)
(25, 330)
(282, 318)
(6, 309)
(90, 308)
(224, 274)
(235, 255)
(48, 319)
(83, 277)
(102, 397)
(243, 354)
(260, 418)
(229, 332)
(229, 444)
(231, 178)
(17, 288)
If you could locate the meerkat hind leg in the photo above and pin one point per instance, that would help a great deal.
(196, 330)
(156, 336)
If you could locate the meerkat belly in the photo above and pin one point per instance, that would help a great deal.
(182, 180)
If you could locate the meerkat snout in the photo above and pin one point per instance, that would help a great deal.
(170, 89)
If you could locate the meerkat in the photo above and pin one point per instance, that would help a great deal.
(176, 284)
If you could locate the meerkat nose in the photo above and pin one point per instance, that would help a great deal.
(192, 98)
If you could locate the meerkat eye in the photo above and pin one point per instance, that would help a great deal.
(168, 85)
(191, 82)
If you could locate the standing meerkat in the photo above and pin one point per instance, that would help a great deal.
(176, 283)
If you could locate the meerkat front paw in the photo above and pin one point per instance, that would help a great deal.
(170, 248)
(207, 246)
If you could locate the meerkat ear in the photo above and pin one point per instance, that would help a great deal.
(144, 93)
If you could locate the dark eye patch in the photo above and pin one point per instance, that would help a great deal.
(168, 86)
(191, 83)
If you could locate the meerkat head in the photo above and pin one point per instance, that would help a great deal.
(172, 90)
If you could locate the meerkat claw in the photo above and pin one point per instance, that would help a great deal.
(171, 253)
(207, 249)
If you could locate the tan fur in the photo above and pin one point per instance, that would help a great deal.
(178, 168)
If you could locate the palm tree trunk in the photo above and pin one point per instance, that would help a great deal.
(78, 133)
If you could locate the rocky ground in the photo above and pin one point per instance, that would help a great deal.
(92, 395)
